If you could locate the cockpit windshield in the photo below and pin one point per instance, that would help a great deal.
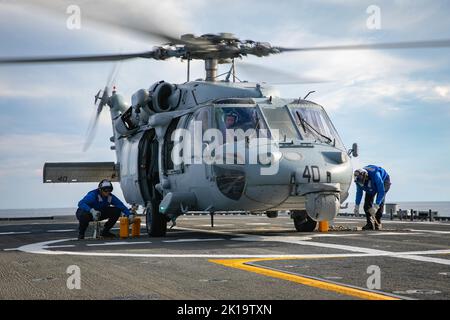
(315, 123)
(291, 123)
(280, 122)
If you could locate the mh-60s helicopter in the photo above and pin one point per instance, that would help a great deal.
(159, 171)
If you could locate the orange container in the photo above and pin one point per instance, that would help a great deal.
(323, 226)
(124, 228)
(136, 228)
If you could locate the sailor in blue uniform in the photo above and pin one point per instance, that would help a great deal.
(374, 181)
(101, 204)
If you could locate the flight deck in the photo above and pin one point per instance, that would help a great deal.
(241, 257)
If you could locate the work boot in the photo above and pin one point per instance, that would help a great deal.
(367, 227)
(81, 237)
(107, 234)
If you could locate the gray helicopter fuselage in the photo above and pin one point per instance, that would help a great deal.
(307, 170)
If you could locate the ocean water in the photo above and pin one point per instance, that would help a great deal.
(443, 209)
(34, 213)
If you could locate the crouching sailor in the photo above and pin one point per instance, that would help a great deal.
(100, 204)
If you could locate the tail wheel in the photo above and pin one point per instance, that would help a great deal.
(156, 222)
(302, 222)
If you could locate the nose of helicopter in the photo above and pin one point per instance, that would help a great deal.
(314, 178)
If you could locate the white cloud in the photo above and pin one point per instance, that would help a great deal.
(363, 80)
(25, 154)
(443, 91)
(365, 77)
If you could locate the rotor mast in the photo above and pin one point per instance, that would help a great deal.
(211, 67)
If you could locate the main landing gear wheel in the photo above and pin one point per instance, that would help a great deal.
(272, 214)
(302, 222)
(156, 222)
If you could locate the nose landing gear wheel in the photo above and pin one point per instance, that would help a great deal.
(302, 222)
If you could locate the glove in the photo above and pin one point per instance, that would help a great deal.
(130, 219)
(356, 210)
(95, 214)
(374, 209)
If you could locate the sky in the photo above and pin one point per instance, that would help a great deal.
(395, 103)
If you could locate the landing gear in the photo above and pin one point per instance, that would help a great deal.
(272, 214)
(156, 222)
(302, 222)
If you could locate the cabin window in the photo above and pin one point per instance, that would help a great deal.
(168, 147)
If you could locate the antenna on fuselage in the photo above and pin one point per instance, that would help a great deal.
(311, 92)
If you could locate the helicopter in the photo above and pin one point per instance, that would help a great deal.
(210, 145)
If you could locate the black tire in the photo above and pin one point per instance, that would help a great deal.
(272, 214)
(302, 222)
(156, 222)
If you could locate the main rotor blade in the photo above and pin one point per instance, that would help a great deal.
(394, 45)
(119, 15)
(274, 76)
(82, 58)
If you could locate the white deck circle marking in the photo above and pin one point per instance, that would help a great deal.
(431, 231)
(42, 248)
(116, 243)
(192, 240)
(11, 233)
(385, 220)
(62, 246)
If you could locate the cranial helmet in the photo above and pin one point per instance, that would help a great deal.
(105, 185)
(233, 114)
(361, 176)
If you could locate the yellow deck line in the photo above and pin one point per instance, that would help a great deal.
(242, 264)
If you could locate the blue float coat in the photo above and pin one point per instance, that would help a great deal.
(375, 184)
(94, 200)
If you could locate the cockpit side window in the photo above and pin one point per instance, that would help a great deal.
(244, 119)
(203, 116)
(196, 124)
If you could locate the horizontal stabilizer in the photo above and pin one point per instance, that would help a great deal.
(74, 172)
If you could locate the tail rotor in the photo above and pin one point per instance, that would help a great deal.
(102, 98)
